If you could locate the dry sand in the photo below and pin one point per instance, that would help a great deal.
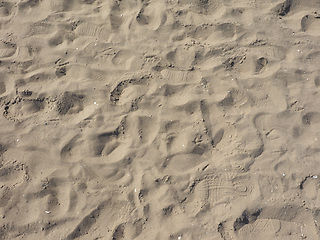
(176, 119)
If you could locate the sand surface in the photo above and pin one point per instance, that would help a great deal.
(160, 119)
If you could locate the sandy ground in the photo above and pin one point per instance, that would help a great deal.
(159, 119)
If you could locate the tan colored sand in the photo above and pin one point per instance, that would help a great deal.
(154, 119)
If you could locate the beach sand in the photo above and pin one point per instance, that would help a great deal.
(154, 119)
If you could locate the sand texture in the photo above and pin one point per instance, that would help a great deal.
(160, 119)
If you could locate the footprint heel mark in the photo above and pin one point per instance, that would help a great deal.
(243, 185)
(226, 30)
(142, 18)
(119, 232)
(305, 23)
(311, 24)
(61, 68)
(117, 91)
(87, 222)
(123, 58)
(6, 8)
(284, 8)
(260, 64)
(61, 71)
(70, 103)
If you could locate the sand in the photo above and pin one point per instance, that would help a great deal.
(176, 119)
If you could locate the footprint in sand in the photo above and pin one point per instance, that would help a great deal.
(129, 92)
(7, 49)
(6, 9)
(311, 118)
(216, 192)
(70, 103)
(310, 24)
(217, 188)
(150, 17)
(89, 29)
(276, 222)
(290, 7)
(116, 17)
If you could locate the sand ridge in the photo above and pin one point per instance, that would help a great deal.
(135, 119)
